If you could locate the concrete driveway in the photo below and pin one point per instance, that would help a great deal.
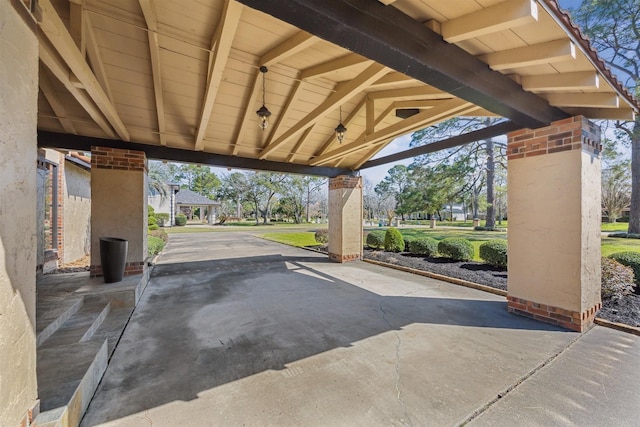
(234, 330)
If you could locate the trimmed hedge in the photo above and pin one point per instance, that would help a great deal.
(154, 245)
(427, 246)
(375, 239)
(456, 248)
(630, 259)
(163, 219)
(393, 240)
(494, 252)
(181, 220)
(322, 236)
(151, 220)
(617, 280)
(407, 241)
(160, 234)
(153, 227)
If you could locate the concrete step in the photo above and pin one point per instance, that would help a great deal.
(81, 325)
(57, 312)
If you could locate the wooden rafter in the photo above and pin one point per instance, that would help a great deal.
(332, 66)
(150, 17)
(222, 40)
(587, 100)
(391, 79)
(626, 114)
(56, 32)
(346, 92)
(422, 92)
(576, 81)
(286, 110)
(60, 70)
(299, 144)
(543, 53)
(502, 16)
(426, 118)
(95, 59)
(352, 115)
(58, 108)
(295, 44)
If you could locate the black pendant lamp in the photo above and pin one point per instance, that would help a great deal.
(340, 129)
(263, 113)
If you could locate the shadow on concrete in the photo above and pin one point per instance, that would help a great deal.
(206, 323)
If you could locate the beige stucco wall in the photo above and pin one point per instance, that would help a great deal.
(554, 229)
(159, 204)
(77, 212)
(18, 242)
(119, 209)
(345, 221)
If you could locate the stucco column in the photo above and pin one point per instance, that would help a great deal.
(18, 241)
(345, 218)
(554, 223)
(119, 204)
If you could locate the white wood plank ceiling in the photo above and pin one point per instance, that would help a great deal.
(185, 74)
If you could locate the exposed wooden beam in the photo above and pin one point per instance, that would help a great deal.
(369, 154)
(333, 66)
(422, 92)
(301, 40)
(502, 16)
(52, 98)
(148, 10)
(83, 143)
(477, 135)
(603, 113)
(286, 110)
(352, 115)
(370, 116)
(426, 118)
(56, 32)
(95, 59)
(222, 40)
(50, 59)
(588, 100)
(543, 53)
(77, 24)
(391, 79)
(391, 37)
(417, 103)
(346, 92)
(576, 81)
(299, 144)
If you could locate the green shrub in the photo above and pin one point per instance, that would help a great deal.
(322, 236)
(427, 246)
(181, 220)
(153, 227)
(617, 280)
(630, 259)
(160, 234)
(150, 210)
(154, 245)
(163, 219)
(375, 239)
(483, 228)
(456, 248)
(393, 241)
(494, 252)
(407, 241)
(152, 221)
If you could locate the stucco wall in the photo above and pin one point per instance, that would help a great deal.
(159, 204)
(77, 212)
(345, 221)
(119, 209)
(18, 242)
(554, 232)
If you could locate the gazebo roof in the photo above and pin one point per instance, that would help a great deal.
(188, 197)
(184, 76)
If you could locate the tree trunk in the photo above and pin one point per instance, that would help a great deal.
(634, 214)
(491, 178)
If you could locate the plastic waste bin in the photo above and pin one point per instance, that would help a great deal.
(113, 255)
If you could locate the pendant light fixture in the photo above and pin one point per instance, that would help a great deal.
(263, 113)
(340, 129)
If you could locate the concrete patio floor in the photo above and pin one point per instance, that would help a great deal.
(235, 330)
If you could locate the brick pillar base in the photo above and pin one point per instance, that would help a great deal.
(345, 218)
(576, 321)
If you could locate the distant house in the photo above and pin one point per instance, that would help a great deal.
(453, 213)
(187, 202)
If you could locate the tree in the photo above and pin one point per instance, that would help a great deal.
(199, 179)
(394, 185)
(614, 30)
(261, 189)
(158, 177)
(616, 189)
(234, 187)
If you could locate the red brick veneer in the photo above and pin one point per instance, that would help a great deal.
(113, 158)
(344, 258)
(130, 269)
(573, 320)
(344, 181)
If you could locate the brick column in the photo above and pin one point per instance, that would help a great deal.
(119, 204)
(345, 218)
(554, 223)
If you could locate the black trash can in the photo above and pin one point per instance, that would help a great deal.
(113, 255)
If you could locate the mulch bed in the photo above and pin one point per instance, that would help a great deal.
(625, 310)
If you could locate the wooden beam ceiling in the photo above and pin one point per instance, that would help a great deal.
(539, 54)
(56, 32)
(576, 81)
(58, 108)
(388, 36)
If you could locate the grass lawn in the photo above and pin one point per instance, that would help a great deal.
(298, 239)
(614, 226)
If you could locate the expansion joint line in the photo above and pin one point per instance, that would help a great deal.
(407, 419)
